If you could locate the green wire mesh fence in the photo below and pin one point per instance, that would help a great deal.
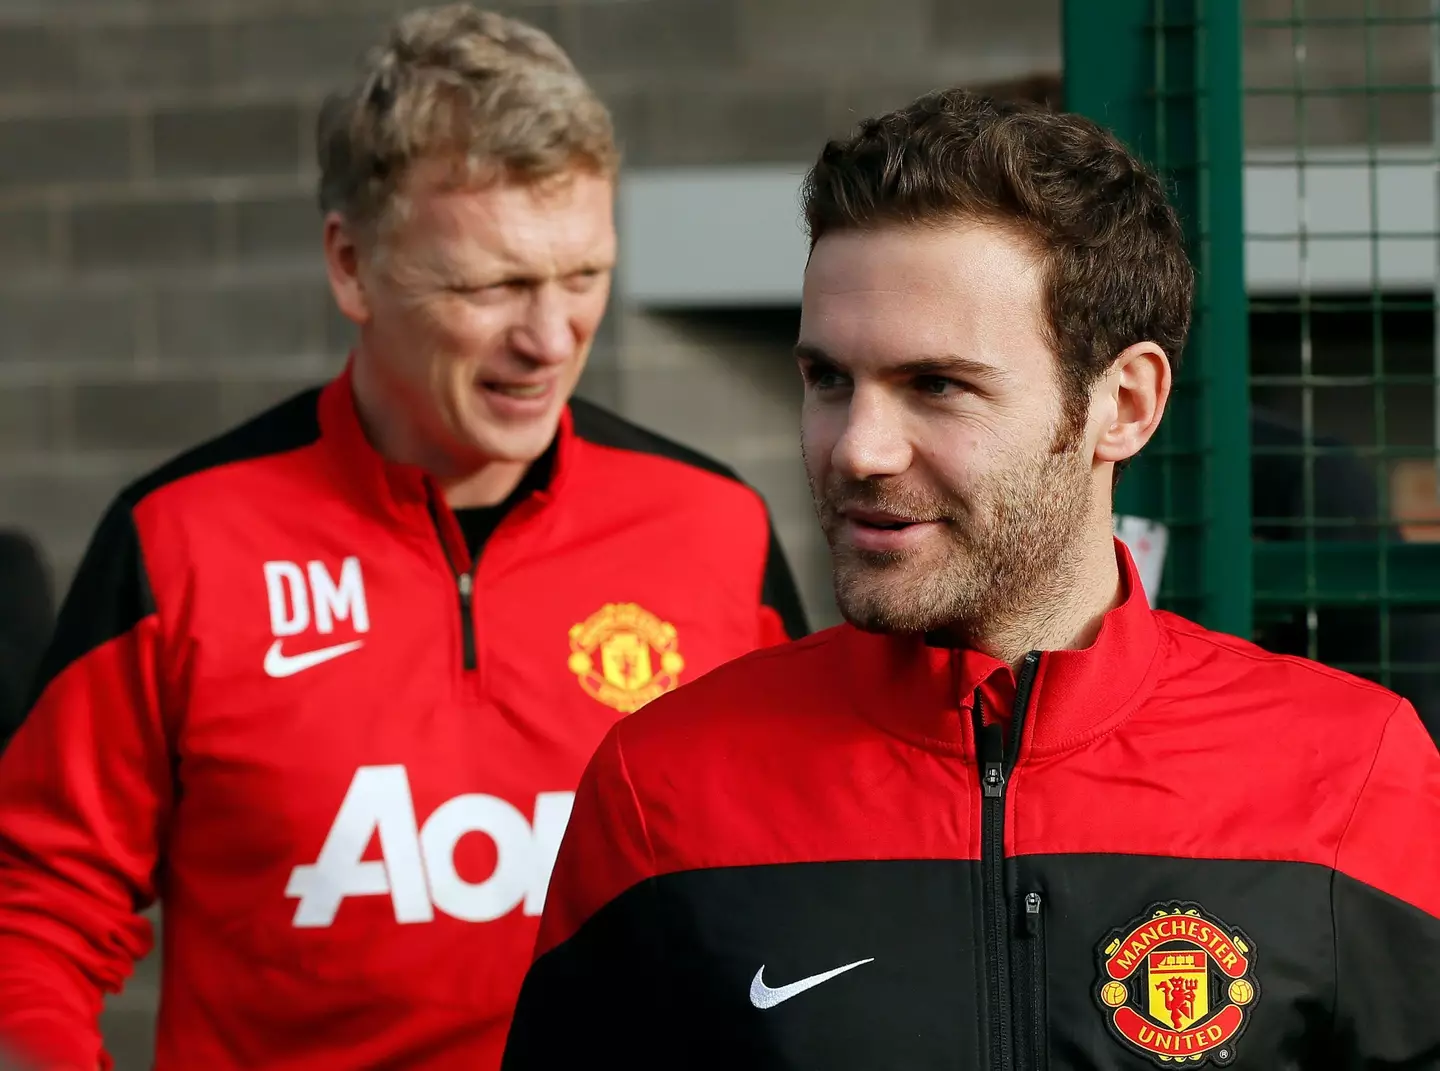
(1298, 474)
(1343, 270)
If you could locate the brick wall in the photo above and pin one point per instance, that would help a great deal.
(159, 268)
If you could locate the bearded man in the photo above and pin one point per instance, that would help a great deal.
(1008, 816)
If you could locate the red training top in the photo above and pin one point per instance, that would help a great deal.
(829, 855)
(281, 696)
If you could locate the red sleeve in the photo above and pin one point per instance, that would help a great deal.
(1392, 842)
(601, 940)
(606, 849)
(84, 789)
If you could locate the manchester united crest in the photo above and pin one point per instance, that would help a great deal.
(1178, 985)
(625, 656)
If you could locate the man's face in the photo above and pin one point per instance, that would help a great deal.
(932, 422)
(482, 305)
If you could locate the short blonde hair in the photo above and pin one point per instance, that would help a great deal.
(496, 95)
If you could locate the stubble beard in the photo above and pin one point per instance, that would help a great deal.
(1007, 549)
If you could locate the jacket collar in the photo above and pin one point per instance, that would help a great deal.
(925, 693)
(407, 495)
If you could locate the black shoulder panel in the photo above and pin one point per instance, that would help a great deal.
(109, 596)
(780, 593)
(604, 428)
(111, 590)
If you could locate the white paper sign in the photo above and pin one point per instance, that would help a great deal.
(1147, 541)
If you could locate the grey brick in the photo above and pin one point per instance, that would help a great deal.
(601, 385)
(150, 415)
(24, 239)
(605, 350)
(1399, 119)
(127, 1022)
(144, 56)
(60, 10)
(860, 100)
(240, 140)
(279, 228)
(27, 419)
(129, 1030)
(630, 112)
(661, 35)
(736, 124)
(243, 399)
(85, 58)
(144, 234)
(36, 59)
(313, 51)
(67, 326)
(340, 332)
(695, 405)
(58, 507)
(240, 320)
(817, 589)
(796, 37)
(38, 151)
(783, 484)
(980, 27)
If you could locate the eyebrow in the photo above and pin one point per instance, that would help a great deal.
(940, 365)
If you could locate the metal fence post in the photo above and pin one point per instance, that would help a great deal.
(1229, 577)
(1165, 76)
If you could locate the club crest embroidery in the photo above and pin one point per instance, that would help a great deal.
(625, 656)
(1178, 985)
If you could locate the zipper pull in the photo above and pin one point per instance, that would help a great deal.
(994, 780)
(992, 761)
(1032, 914)
(467, 585)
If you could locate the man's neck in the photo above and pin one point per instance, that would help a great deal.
(487, 486)
(1067, 615)
(397, 440)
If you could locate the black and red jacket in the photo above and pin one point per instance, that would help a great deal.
(824, 856)
(284, 701)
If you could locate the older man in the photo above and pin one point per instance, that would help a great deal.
(325, 685)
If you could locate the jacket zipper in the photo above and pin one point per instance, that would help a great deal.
(996, 764)
(465, 584)
(1035, 998)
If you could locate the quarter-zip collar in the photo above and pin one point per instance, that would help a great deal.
(406, 494)
(924, 693)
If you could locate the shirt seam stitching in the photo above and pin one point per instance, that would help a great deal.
(1335, 864)
(635, 802)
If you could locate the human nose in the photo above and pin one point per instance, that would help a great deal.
(546, 334)
(874, 441)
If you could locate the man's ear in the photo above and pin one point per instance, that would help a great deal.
(1131, 400)
(342, 265)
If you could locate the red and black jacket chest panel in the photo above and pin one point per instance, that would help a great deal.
(1196, 853)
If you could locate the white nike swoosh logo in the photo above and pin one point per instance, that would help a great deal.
(762, 996)
(279, 664)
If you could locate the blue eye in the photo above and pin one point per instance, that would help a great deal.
(938, 386)
(822, 378)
